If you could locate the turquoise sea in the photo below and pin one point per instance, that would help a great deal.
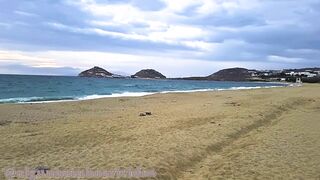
(26, 88)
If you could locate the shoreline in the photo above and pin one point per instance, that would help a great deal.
(137, 94)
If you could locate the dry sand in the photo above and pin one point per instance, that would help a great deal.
(245, 134)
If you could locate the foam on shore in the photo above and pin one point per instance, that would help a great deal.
(124, 94)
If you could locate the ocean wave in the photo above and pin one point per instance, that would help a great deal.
(35, 99)
(186, 91)
(59, 99)
(255, 87)
(219, 89)
(124, 94)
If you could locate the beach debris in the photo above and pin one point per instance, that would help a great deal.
(233, 103)
(212, 122)
(3, 123)
(148, 113)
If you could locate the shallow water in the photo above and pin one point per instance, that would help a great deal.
(25, 88)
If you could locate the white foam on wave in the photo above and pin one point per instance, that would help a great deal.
(16, 100)
(22, 100)
(186, 91)
(219, 89)
(255, 87)
(124, 94)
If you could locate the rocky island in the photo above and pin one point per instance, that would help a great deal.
(95, 72)
(99, 72)
(149, 73)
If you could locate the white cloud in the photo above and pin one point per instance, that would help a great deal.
(283, 59)
(175, 35)
(5, 25)
(23, 13)
(179, 32)
(180, 5)
(26, 58)
(161, 25)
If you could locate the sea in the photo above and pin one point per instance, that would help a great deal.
(41, 89)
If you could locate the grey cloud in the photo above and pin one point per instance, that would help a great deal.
(29, 70)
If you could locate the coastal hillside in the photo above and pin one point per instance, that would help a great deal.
(231, 74)
(149, 73)
(309, 75)
(95, 72)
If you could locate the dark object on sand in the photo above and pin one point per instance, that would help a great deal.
(148, 113)
(234, 103)
(3, 123)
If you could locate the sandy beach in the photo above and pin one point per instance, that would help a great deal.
(244, 134)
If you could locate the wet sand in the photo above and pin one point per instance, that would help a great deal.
(244, 134)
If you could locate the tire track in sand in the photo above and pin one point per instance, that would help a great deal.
(190, 170)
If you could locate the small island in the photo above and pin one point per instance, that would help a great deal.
(149, 74)
(95, 72)
(98, 72)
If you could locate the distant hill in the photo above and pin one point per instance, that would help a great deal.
(95, 72)
(231, 74)
(302, 69)
(149, 73)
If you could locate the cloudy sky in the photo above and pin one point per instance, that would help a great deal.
(175, 37)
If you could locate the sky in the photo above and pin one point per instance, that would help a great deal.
(176, 37)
